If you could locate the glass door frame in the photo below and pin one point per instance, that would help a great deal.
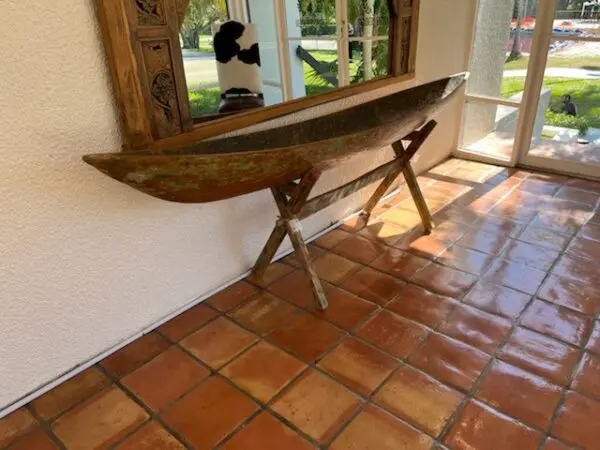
(542, 38)
(543, 35)
(483, 99)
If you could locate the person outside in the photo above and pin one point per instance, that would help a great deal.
(569, 108)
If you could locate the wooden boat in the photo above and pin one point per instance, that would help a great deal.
(227, 167)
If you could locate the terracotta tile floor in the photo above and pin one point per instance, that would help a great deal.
(483, 335)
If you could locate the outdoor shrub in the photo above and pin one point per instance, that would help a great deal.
(580, 123)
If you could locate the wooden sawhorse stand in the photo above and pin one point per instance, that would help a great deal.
(293, 204)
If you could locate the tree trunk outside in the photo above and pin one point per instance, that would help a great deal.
(515, 53)
(196, 38)
(185, 37)
(191, 38)
(369, 19)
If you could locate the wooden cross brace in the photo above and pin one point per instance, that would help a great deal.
(293, 204)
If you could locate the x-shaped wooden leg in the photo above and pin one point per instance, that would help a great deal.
(417, 139)
(290, 200)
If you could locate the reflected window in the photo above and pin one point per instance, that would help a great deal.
(196, 38)
(306, 48)
(170, 79)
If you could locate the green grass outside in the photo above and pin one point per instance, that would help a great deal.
(571, 62)
(585, 94)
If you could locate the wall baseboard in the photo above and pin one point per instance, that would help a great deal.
(6, 410)
(94, 360)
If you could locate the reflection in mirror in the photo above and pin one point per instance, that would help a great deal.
(319, 60)
(196, 38)
(306, 47)
(368, 20)
(376, 53)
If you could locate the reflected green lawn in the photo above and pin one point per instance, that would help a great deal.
(207, 101)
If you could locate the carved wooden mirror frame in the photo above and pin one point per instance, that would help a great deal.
(145, 59)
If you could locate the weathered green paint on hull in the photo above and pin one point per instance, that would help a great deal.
(228, 167)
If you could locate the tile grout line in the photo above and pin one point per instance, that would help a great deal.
(314, 366)
(546, 432)
(508, 335)
(46, 426)
(216, 373)
(404, 362)
(156, 415)
(569, 386)
(483, 375)
(152, 415)
(368, 317)
(515, 322)
(370, 398)
(335, 346)
(264, 406)
(473, 227)
(494, 357)
(484, 372)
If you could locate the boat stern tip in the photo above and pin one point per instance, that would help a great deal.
(99, 161)
(94, 158)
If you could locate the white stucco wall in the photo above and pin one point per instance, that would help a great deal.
(85, 262)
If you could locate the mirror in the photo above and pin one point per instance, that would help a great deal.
(305, 47)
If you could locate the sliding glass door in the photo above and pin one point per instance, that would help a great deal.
(565, 93)
(502, 41)
(534, 93)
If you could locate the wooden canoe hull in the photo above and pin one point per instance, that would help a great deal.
(224, 168)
